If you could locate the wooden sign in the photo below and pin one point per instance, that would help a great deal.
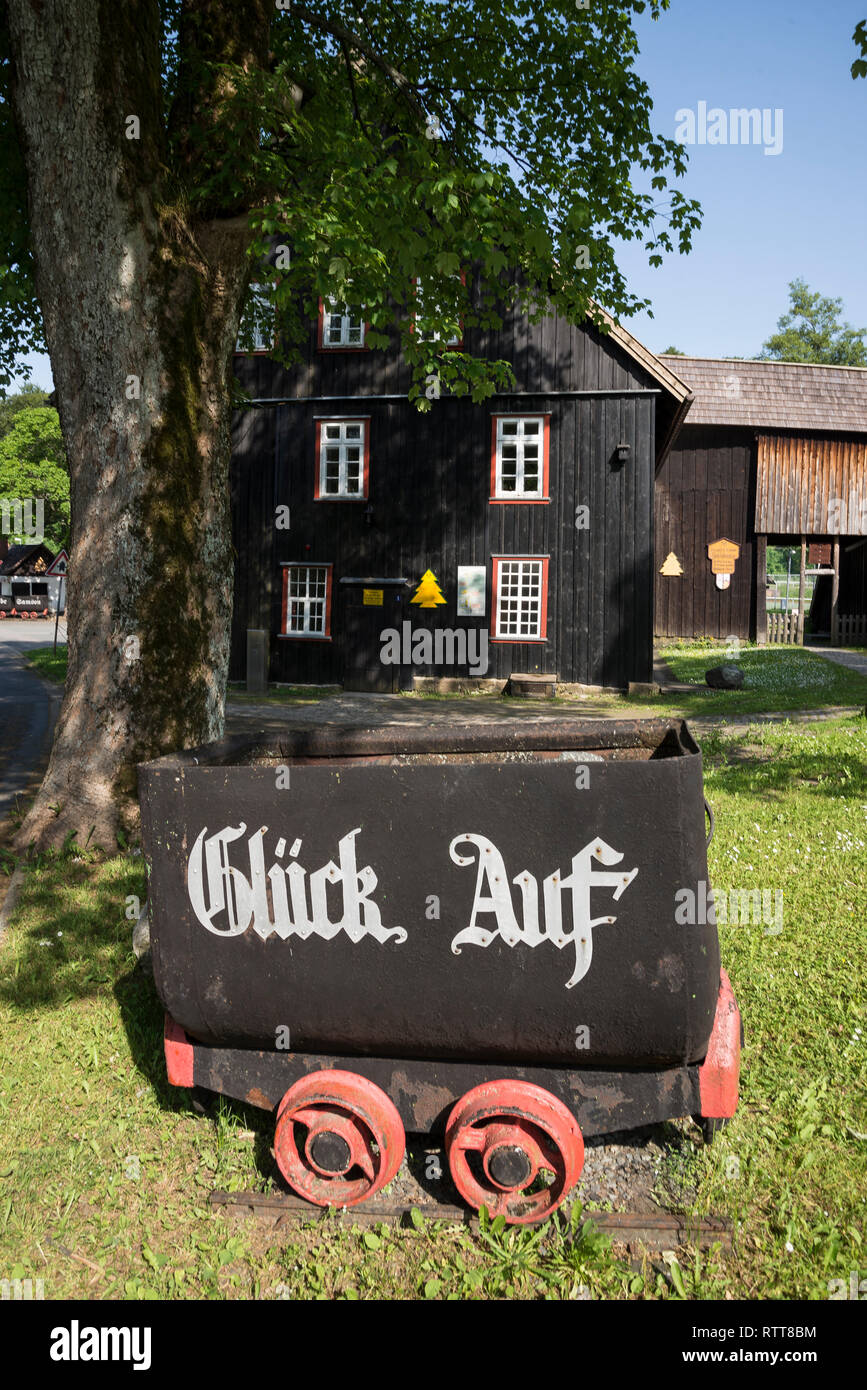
(818, 554)
(723, 556)
(671, 565)
(371, 598)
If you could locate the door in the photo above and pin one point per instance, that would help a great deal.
(369, 608)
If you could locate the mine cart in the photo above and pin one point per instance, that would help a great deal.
(492, 934)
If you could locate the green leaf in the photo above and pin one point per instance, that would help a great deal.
(432, 1288)
(372, 1241)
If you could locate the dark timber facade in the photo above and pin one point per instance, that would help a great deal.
(772, 453)
(549, 489)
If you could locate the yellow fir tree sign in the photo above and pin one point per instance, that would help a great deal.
(671, 565)
(428, 594)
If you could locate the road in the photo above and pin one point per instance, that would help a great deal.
(28, 710)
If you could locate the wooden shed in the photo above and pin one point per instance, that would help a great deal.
(771, 453)
(518, 534)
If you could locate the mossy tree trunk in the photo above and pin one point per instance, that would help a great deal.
(140, 302)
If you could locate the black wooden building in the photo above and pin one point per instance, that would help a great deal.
(536, 506)
(771, 453)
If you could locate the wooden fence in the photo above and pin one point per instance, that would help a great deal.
(851, 630)
(783, 628)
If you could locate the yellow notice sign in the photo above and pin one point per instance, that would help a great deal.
(372, 598)
(722, 555)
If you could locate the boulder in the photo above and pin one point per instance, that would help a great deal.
(725, 677)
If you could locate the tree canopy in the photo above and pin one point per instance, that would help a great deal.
(859, 38)
(811, 331)
(25, 398)
(411, 142)
(33, 468)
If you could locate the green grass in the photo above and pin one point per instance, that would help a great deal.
(105, 1169)
(281, 695)
(791, 809)
(48, 663)
(775, 678)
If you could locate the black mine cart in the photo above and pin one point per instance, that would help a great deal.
(482, 933)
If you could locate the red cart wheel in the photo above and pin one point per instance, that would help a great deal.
(500, 1137)
(339, 1138)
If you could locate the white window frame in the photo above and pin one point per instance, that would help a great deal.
(331, 310)
(435, 336)
(260, 344)
(520, 493)
(307, 600)
(510, 573)
(343, 444)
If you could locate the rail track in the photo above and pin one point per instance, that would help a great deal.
(651, 1230)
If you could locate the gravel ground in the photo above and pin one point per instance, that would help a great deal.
(620, 1172)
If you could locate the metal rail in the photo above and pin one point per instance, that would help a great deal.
(658, 1231)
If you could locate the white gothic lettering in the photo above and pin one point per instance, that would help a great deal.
(283, 901)
(491, 875)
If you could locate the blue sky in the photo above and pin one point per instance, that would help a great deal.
(767, 218)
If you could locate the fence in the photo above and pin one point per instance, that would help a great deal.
(851, 630)
(783, 628)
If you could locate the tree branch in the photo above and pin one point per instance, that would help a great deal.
(354, 40)
(352, 91)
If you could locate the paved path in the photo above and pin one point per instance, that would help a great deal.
(855, 661)
(28, 710)
(371, 711)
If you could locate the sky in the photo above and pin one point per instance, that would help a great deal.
(768, 219)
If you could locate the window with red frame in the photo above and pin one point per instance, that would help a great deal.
(343, 455)
(520, 598)
(519, 458)
(307, 600)
(340, 326)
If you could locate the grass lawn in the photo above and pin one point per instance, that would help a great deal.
(105, 1169)
(48, 663)
(775, 678)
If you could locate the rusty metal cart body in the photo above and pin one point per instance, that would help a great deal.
(473, 932)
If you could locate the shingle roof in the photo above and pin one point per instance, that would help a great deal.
(18, 555)
(773, 395)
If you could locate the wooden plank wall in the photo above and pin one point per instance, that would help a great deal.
(704, 491)
(429, 490)
(429, 494)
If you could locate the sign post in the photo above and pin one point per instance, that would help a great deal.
(58, 568)
(57, 612)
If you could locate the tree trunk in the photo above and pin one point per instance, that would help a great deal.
(140, 305)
